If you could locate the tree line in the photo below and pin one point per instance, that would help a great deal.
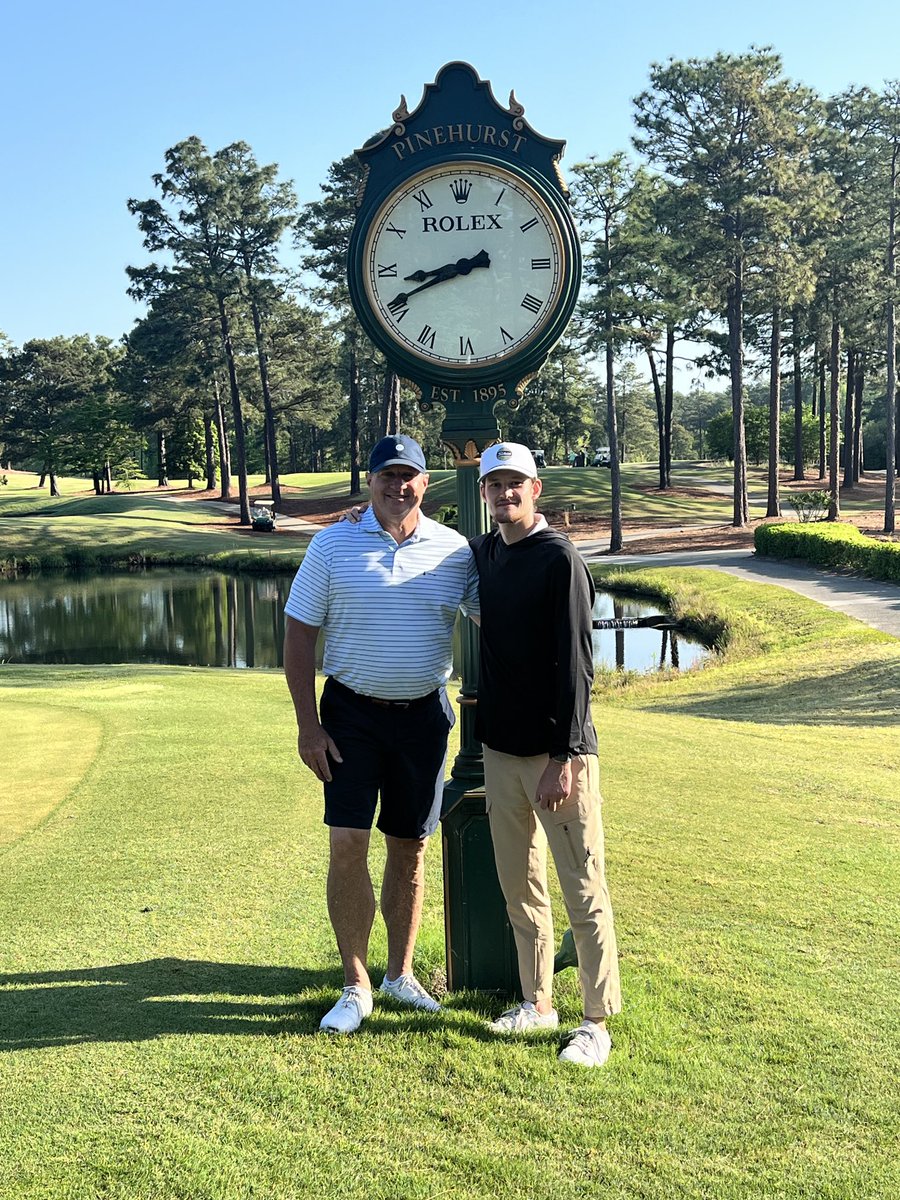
(753, 229)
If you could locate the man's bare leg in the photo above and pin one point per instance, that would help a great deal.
(402, 893)
(351, 901)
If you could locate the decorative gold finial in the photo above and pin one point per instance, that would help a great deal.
(401, 113)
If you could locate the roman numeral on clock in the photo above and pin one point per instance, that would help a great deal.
(394, 229)
(529, 225)
(532, 303)
(540, 264)
(423, 200)
(465, 345)
(391, 271)
(507, 337)
(397, 307)
(426, 337)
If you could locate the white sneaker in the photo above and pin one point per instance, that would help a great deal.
(408, 990)
(524, 1018)
(588, 1045)
(354, 1005)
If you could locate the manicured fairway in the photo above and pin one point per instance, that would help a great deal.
(165, 956)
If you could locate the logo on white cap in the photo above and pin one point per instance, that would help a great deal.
(509, 455)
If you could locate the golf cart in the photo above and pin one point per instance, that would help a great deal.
(262, 516)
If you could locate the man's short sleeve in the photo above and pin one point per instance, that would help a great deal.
(308, 599)
(470, 603)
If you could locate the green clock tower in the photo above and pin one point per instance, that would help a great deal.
(464, 268)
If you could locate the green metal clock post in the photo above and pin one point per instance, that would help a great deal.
(464, 268)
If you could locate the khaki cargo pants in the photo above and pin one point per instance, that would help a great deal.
(521, 832)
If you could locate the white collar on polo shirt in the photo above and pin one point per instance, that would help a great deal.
(540, 523)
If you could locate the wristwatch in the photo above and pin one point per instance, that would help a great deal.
(567, 756)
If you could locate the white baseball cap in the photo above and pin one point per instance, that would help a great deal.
(508, 456)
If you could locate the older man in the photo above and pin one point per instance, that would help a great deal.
(386, 592)
(540, 751)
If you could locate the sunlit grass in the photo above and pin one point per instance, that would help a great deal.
(166, 955)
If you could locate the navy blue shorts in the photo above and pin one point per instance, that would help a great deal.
(388, 749)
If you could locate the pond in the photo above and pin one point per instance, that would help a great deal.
(209, 619)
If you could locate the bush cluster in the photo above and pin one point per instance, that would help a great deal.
(838, 547)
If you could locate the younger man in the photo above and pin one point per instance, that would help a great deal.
(540, 751)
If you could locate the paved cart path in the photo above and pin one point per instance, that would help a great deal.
(869, 600)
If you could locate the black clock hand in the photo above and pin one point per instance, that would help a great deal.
(449, 271)
(463, 267)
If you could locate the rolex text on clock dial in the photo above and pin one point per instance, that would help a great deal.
(464, 265)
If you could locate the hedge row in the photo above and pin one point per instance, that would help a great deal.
(838, 547)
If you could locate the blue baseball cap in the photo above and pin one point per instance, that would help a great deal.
(396, 450)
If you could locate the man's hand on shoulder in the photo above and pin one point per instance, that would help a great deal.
(554, 785)
(355, 514)
(314, 747)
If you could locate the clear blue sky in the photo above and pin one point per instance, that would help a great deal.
(93, 93)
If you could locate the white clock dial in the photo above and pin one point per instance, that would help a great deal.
(464, 265)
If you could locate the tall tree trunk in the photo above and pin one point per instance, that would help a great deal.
(848, 416)
(390, 404)
(54, 488)
(669, 398)
(222, 441)
(354, 425)
(237, 412)
(98, 483)
(834, 424)
(660, 417)
(858, 468)
(107, 476)
(890, 441)
(773, 505)
(891, 431)
(269, 413)
(799, 464)
(162, 465)
(823, 409)
(735, 316)
(209, 453)
(615, 477)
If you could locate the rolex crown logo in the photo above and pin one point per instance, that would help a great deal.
(460, 189)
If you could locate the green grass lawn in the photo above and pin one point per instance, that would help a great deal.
(165, 955)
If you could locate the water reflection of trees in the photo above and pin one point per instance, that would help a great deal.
(186, 619)
(640, 641)
(209, 618)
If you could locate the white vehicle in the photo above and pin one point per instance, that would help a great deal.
(601, 457)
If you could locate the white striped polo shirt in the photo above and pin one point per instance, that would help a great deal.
(388, 610)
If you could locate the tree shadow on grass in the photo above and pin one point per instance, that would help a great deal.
(864, 694)
(137, 1001)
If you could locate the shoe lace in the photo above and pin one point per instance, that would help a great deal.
(411, 984)
(582, 1039)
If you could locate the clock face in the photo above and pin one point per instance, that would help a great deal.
(464, 265)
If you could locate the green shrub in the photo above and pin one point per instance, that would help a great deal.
(809, 506)
(833, 546)
(80, 558)
(448, 514)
